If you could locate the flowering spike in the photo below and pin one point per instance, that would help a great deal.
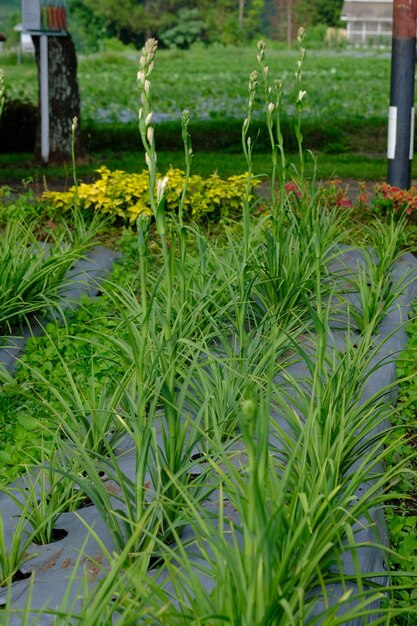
(300, 35)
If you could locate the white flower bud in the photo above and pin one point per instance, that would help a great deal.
(271, 107)
(149, 134)
(148, 160)
(147, 87)
(141, 76)
(300, 34)
(301, 95)
(148, 118)
(160, 188)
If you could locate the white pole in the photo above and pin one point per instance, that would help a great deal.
(44, 99)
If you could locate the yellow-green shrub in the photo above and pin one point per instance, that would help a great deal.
(125, 196)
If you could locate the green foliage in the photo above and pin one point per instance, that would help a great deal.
(316, 36)
(187, 363)
(173, 23)
(125, 196)
(32, 274)
(345, 110)
(402, 515)
(44, 493)
(188, 29)
(18, 207)
(87, 28)
(315, 12)
(14, 555)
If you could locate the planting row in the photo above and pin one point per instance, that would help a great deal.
(220, 450)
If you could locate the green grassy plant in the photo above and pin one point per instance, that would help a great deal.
(13, 550)
(31, 277)
(44, 494)
(83, 414)
(373, 284)
(33, 272)
(278, 535)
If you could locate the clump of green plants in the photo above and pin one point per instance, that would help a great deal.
(21, 206)
(373, 284)
(13, 551)
(33, 272)
(124, 196)
(402, 515)
(45, 492)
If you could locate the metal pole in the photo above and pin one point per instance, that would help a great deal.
(401, 110)
(44, 92)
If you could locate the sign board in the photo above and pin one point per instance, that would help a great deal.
(44, 17)
(31, 15)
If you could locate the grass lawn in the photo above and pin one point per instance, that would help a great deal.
(19, 167)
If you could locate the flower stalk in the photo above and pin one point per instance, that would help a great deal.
(300, 98)
(247, 148)
(188, 155)
(273, 101)
(74, 126)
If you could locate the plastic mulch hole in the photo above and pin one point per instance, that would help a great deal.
(17, 577)
(193, 476)
(199, 456)
(85, 503)
(20, 576)
(57, 534)
(155, 561)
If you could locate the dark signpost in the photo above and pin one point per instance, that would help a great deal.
(44, 18)
(401, 110)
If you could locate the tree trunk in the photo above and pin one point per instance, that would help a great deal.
(289, 23)
(241, 13)
(64, 96)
